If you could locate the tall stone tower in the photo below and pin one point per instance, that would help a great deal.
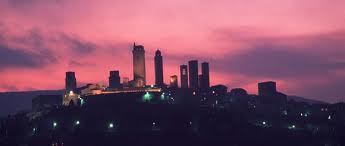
(158, 69)
(139, 71)
(184, 76)
(193, 74)
(114, 79)
(70, 82)
(70, 97)
(205, 70)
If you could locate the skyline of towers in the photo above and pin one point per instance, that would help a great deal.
(70, 82)
(158, 64)
(139, 71)
(193, 74)
(114, 79)
(189, 74)
(184, 76)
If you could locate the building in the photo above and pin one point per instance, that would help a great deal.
(125, 82)
(269, 95)
(92, 89)
(173, 81)
(70, 82)
(139, 71)
(219, 90)
(205, 81)
(114, 79)
(46, 101)
(267, 88)
(238, 92)
(193, 73)
(184, 76)
(70, 99)
(159, 69)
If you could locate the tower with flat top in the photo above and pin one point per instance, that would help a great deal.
(139, 71)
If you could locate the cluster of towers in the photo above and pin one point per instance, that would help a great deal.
(196, 80)
(189, 74)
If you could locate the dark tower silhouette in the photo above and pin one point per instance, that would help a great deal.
(139, 71)
(193, 74)
(205, 81)
(267, 88)
(158, 69)
(200, 80)
(184, 76)
(114, 79)
(70, 82)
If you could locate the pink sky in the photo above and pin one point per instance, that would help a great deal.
(298, 43)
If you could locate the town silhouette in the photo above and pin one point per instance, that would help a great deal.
(186, 111)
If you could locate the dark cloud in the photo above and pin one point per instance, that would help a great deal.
(331, 90)
(77, 45)
(32, 38)
(32, 49)
(307, 63)
(28, 3)
(285, 57)
(277, 63)
(38, 39)
(8, 87)
(77, 63)
(21, 2)
(12, 58)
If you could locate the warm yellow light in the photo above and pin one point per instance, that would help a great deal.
(71, 93)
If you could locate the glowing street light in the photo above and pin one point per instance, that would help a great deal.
(111, 125)
(54, 124)
(285, 112)
(82, 102)
(77, 123)
(264, 123)
(162, 96)
(147, 96)
(292, 127)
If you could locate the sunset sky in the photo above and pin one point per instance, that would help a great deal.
(300, 44)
